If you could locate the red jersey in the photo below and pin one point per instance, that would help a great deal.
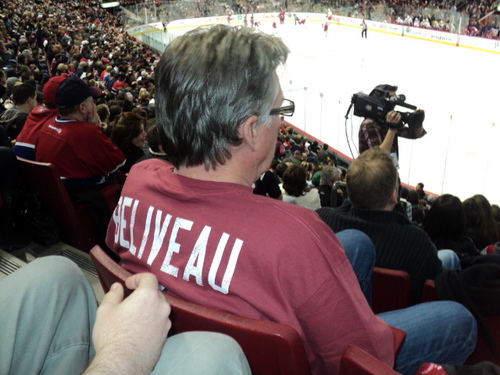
(219, 245)
(119, 85)
(80, 151)
(28, 137)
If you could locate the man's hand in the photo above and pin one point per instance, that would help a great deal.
(416, 122)
(94, 118)
(129, 334)
(393, 119)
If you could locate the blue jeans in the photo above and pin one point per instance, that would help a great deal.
(441, 332)
(449, 259)
(360, 251)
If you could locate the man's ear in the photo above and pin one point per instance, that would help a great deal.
(81, 107)
(248, 131)
(394, 197)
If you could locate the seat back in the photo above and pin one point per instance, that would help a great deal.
(337, 199)
(390, 290)
(44, 180)
(429, 291)
(271, 348)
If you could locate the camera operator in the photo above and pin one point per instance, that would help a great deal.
(385, 133)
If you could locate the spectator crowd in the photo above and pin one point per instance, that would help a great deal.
(79, 92)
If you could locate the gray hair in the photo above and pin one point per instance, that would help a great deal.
(329, 174)
(208, 82)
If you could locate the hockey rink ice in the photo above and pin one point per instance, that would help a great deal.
(457, 87)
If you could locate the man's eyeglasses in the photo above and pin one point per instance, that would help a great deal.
(287, 109)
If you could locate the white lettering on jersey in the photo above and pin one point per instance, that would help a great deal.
(174, 247)
(58, 130)
(231, 265)
(197, 257)
(145, 235)
(158, 223)
(116, 220)
(159, 235)
(126, 202)
(133, 249)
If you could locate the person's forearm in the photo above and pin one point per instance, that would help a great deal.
(388, 140)
(114, 365)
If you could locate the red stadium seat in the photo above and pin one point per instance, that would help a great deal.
(482, 352)
(271, 348)
(390, 290)
(74, 221)
(428, 291)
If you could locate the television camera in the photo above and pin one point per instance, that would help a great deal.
(380, 102)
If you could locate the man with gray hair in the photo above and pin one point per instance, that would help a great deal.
(329, 175)
(197, 225)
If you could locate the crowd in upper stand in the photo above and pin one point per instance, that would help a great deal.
(452, 16)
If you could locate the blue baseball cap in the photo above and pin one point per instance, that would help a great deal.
(73, 91)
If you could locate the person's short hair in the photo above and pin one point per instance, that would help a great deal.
(371, 179)
(412, 197)
(281, 168)
(103, 111)
(127, 127)
(11, 82)
(115, 110)
(62, 68)
(295, 180)
(39, 98)
(153, 138)
(329, 173)
(21, 59)
(384, 87)
(144, 94)
(25, 75)
(208, 82)
(274, 163)
(21, 93)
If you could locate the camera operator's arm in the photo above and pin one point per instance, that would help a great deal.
(392, 120)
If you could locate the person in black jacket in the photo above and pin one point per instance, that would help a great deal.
(372, 187)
